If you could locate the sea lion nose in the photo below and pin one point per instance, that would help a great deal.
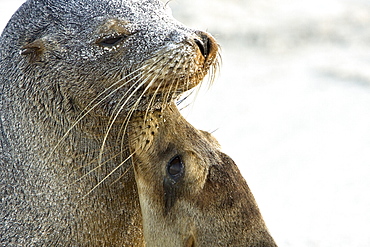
(204, 42)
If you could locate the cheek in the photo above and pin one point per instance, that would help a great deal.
(149, 184)
(195, 175)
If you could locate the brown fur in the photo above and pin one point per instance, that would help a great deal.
(209, 205)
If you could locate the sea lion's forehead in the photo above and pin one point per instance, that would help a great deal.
(85, 16)
(131, 10)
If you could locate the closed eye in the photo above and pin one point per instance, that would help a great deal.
(111, 41)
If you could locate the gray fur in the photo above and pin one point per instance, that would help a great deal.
(47, 177)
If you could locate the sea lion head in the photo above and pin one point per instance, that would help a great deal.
(191, 194)
(69, 71)
(110, 54)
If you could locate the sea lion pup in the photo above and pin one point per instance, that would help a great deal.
(71, 73)
(191, 194)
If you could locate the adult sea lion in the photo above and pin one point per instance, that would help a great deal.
(71, 74)
(191, 194)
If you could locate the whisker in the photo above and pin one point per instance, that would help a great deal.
(86, 112)
(109, 174)
(109, 151)
(113, 120)
(95, 168)
(124, 173)
(168, 94)
(135, 106)
(151, 101)
(128, 115)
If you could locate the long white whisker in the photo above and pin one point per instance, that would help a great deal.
(95, 168)
(125, 172)
(135, 106)
(116, 116)
(109, 174)
(88, 111)
(151, 101)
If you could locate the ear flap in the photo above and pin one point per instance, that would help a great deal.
(34, 50)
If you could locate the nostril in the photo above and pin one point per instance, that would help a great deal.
(204, 42)
(202, 47)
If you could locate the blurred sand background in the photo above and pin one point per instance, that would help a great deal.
(291, 106)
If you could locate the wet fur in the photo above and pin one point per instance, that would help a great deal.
(66, 99)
